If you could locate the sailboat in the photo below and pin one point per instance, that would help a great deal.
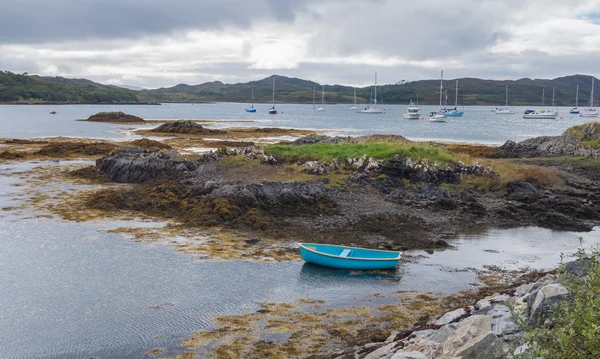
(454, 112)
(575, 110)
(374, 109)
(273, 110)
(353, 107)
(251, 109)
(322, 108)
(542, 113)
(314, 98)
(505, 110)
(439, 115)
(591, 111)
(413, 112)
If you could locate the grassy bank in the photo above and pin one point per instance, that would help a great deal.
(379, 151)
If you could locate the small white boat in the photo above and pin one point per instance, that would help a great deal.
(438, 116)
(353, 107)
(413, 112)
(374, 109)
(506, 110)
(322, 108)
(542, 113)
(590, 112)
(575, 110)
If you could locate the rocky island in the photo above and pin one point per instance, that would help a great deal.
(114, 117)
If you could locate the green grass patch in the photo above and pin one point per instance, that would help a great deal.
(380, 151)
(594, 144)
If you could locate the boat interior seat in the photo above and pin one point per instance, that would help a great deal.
(345, 252)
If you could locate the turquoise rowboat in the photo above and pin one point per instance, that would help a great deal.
(342, 257)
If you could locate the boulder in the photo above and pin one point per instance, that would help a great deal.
(438, 336)
(118, 117)
(408, 355)
(502, 322)
(473, 339)
(384, 351)
(185, 127)
(430, 348)
(548, 296)
(451, 317)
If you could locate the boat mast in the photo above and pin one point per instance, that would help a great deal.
(592, 94)
(375, 99)
(323, 96)
(456, 96)
(253, 96)
(553, 97)
(577, 96)
(543, 94)
(313, 97)
(417, 99)
(441, 89)
(506, 97)
(273, 91)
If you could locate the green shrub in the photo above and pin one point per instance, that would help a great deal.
(573, 328)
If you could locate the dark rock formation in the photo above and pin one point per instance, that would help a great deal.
(118, 117)
(76, 148)
(185, 127)
(150, 145)
(134, 165)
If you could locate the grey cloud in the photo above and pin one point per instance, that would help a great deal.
(39, 21)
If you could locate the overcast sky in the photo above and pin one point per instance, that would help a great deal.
(156, 43)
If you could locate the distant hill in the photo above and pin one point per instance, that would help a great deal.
(36, 89)
(471, 91)
(40, 89)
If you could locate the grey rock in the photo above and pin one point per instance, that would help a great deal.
(383, 351)
(438, 336)
(430, 348)
(579, 267)
(483, 305)
(546, 297)
(502, 322)
(451, 317)
(523, 289)
(473, 339)
(408, 355)
(499, 298)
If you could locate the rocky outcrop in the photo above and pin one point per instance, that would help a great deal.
(424, 171)
(134, 165)
(115, 117)
(485, 331)
(570, 143)
(185, 127)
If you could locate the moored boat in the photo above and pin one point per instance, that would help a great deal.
(575, 110)
(251, 109)
(590, 112)
(374, 109)
(438, 116)
(343, 257)
(542, 113)
(413, 112)
(454, 112)
(506, 110)
(273, 110)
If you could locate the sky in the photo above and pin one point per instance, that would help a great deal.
(158, 43)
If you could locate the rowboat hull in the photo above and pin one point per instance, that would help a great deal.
(358, 258)
(252, 110)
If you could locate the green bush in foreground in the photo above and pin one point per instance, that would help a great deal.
(573, 328)
(380, 151)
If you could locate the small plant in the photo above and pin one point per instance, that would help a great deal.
(572, 329)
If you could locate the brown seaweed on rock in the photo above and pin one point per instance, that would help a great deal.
(76, 148)
(115, 117)
(185, 127)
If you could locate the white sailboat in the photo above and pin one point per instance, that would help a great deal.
(505, 110)
(314, 106)
(542, 113)
(322, 107)
(590, 112)
(413, 112)
(575, 110)
(454, 112)
(439, 115)
(273, 110)
(353, 107)
(374, 109)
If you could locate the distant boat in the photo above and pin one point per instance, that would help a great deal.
(438, 116)
(505, 110)
(53, 112)
(590, 112)
(374, 109)
(413, 112)
(273, 110)
(251, 109)
(575, 110)
(322, 108)
(342, 257)
(454, 112)
(353, 107)
(542, 113)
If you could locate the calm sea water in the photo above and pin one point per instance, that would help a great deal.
(478, 125)
(73, 290)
